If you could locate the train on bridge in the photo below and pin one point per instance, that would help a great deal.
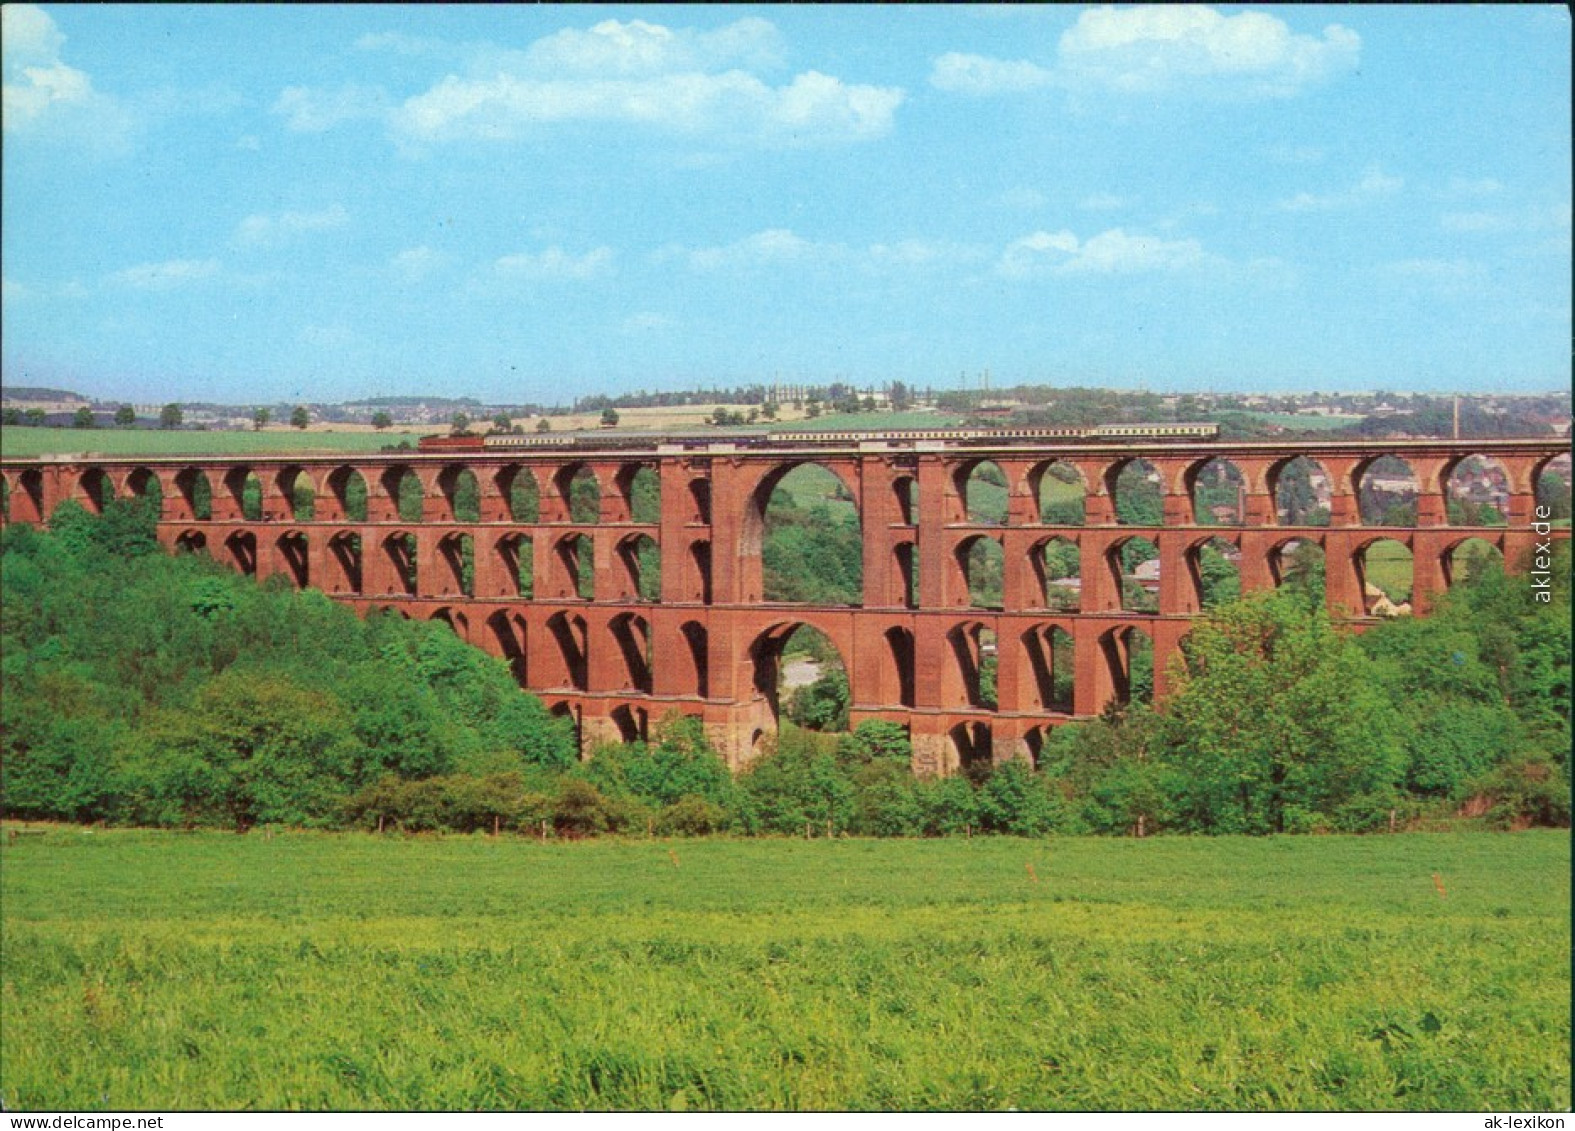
(605, 440)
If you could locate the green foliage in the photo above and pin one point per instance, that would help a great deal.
(249, 748)
(459, 803)
(1016, 801)
(823, 704)
(222, 701)
(1139, 500)
(1554, 494)
(1533, 790)
(1276, 713)
(692, 816)
(1482, 682)
(800, 786)
(679, 764)
(1221, 578)
(813, 554)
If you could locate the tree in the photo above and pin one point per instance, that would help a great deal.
(171, 416)
(544, 425)
(125, 416)
(501, 422)
(769, 410)
(260, 419)
(609, 418)
(300, 418)
(459, 424)
(381, 419)
(84, 418)
(1278, 722)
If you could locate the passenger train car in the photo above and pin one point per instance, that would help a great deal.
(749, 441)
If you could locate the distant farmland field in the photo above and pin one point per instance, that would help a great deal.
(20, 443)
(207, 970)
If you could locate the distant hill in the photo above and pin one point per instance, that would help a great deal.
(38, 393)
(412, 402)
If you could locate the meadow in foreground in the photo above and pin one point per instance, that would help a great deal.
(162, 970)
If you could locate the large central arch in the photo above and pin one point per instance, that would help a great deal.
(755, 529)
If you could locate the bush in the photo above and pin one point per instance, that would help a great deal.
(1017, 801)
(1527, 791)
(580, 809)
(692, 816)
(455, 803)
(681, 763)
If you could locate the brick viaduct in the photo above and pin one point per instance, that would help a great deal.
(710, 646)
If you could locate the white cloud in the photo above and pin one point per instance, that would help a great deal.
(915, 253)
(43, 97)
(414, 264)
(778, 247)
(773, 245)
(1161, 47)
(1477, 222)
(1112, 252)
(645, 322)
(30, 36)
(307, 110)
(981, 75)
(166, 276)
(733, 104)
(680, 80)
(640, 48)
(1102, 202)
(1375, 184)
(554, 263)
(264, 230)
(1444, 277)
(1537, 219)
(1469, 187)
(1154, 47)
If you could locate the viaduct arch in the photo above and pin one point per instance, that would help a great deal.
(549, 579)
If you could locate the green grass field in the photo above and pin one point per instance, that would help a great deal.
(21, 443)
(171, 971)
(1305, 421)
(1389, 568)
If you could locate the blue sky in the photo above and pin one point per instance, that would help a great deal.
(525, 203)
